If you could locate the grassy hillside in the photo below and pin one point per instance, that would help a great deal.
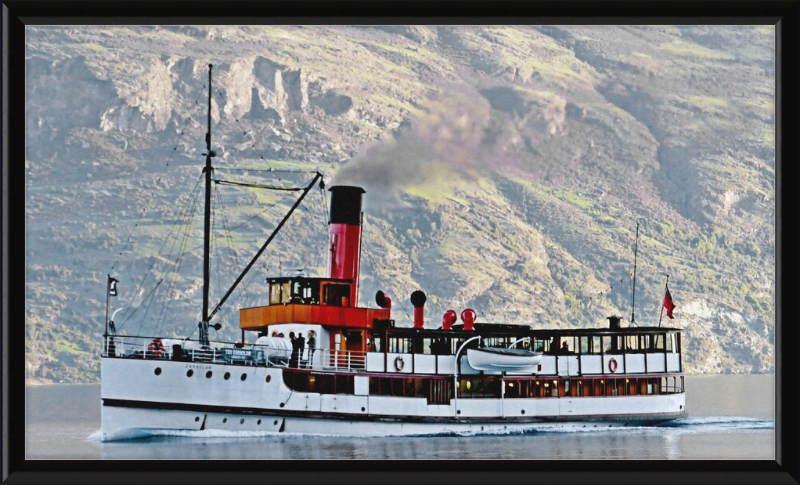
(506, 169)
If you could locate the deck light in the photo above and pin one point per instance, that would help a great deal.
(602, 381)
(537, 383)
(468, 386)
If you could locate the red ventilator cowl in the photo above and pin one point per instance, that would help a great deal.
(468, 317)
(448, 319)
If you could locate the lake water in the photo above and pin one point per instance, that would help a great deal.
(731, 417)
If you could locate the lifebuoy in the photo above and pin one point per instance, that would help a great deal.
(612, 365)
(399, 363)
(156, 347)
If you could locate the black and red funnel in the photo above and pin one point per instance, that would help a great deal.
(345, 236)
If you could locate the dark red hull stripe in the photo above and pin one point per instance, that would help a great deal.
(635, 420)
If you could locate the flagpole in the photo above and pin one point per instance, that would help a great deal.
(666, 287)
(633, 295)
(108, 290)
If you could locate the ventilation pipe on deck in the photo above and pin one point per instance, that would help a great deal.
(418, 299)
(383, 301)
(448, 319)
(468, 317)
(614, 321)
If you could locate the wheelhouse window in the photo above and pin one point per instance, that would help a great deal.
(336, 294)
(302, 290)
(280, 293)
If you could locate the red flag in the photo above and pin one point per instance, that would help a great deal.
(668, 304)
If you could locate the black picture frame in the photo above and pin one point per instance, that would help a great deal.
(17, 14)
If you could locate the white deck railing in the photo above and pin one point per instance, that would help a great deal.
(132, 347)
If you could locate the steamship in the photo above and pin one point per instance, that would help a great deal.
(366, 376)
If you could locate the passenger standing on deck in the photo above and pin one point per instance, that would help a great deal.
(312, 344)
(294, 357)
(301, 345)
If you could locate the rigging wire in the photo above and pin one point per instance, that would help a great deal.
(226, 236)
(192, 196)
(144, 210)
(268, 170)
(258, 186)
(176, 267)
(119, 327)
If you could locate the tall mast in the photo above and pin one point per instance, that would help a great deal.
(207, 220)
(633, 296)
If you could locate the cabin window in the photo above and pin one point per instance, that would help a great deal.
(606, 344)
(542, 344)
(279, 293)
(353, 339)
(551, 388)
(511, 389)
(437, 346)
(658, 342)
(568, 345)
(321, 383)
(400, 345)
(595, 344)
(671, 343)
(632, 344)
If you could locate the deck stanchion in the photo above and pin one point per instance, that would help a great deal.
(455, 374)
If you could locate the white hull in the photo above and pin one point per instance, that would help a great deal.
(136, 399)
(136, 423)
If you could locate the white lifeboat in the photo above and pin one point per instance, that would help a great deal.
(501, 359)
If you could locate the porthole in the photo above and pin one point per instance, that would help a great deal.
(458, 412)
(227, 376)
(196, 419)
(224, 420)
(275, 423)
(241, 421)
(523, 411)
(189, 373)
(269, 378)
(244, 377)
(157, 371)
(258, 422)
(283, 404)
(209, 374)
(363, 409)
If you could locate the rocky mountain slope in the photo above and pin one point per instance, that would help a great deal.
(506, 169)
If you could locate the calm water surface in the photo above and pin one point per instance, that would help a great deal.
(731, 417)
